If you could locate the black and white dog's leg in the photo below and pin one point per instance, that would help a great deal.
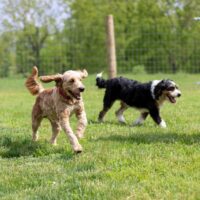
(141, 119)
(103, 113)
(156, 117)
(107, 104)
(120, 111)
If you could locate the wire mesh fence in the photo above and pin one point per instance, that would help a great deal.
(140, 49)
(160, 50)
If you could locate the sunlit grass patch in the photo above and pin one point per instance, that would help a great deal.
(118, 161)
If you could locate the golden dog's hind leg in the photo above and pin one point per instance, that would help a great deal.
(36, 120)
(56, 128)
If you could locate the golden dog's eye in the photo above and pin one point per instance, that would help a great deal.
(171, 88)
(72, 80)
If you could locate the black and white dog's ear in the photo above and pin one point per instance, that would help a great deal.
(157, 92)
(159, 88)
(163, 84)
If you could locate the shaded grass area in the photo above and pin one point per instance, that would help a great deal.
(118, 162)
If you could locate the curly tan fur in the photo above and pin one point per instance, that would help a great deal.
(32, 84)
(58, 104)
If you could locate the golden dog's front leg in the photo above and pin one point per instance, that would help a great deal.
(82, 121)
(64, 122)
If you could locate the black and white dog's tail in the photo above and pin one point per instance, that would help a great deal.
(100, 82)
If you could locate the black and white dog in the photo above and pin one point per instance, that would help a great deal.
(146, 97)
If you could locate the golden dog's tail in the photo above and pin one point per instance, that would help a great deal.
(32, 84)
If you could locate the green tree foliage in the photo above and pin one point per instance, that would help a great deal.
(7, 56)
(33, 22)
(156, 35)
(54, 55)
(159, 35)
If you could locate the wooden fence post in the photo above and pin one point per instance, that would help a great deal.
(111, 54)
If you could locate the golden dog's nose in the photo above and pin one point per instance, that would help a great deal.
(81, 89)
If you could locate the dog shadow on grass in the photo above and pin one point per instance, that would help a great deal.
(96, 122)
(17, 147)
(148, 138)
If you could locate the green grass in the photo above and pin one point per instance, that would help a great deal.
(118, 162)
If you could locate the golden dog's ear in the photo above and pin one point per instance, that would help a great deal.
(84, 73)
(46, 79)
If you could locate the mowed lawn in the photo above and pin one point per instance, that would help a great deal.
(118, 162)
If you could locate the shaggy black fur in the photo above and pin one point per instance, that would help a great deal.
(134, 94)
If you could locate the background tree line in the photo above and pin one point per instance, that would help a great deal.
(56, 35)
